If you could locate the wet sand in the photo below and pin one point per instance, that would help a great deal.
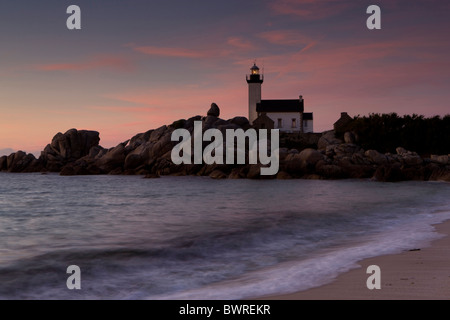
(414, 274)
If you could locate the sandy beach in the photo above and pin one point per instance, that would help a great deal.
(411, 275)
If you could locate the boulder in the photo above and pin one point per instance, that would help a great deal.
(376, 157)
(214, 110)
(349, 137)
(359, 158)
(299, 163)
(14, 157)
(113, 159)
(161, 147)
(343, 150)
(156, 134)
(408, 158)
(411, 159)
(133, 161)
(217, 174)
(400, 151)
(328, 138)
(310, 157)
(96, 151)
(19, 161)
(444, 159)
(68, 147)
(139, 139)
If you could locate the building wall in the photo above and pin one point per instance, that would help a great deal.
(254, 97)
(286, 122)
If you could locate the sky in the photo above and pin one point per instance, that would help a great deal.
(138, 64)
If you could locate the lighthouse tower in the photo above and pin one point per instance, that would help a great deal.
(254, 80)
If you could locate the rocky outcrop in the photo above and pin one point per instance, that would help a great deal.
(20, 162)
(68, 147)
(315, 156)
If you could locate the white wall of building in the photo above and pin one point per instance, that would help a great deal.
(254, 97)
(287, 123)
(308, 126)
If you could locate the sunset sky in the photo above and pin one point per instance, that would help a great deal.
(140, 64)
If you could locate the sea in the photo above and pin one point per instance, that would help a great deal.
(197, 238)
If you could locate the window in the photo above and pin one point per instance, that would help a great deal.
(280, 123)
(294, 123)
(305, 123)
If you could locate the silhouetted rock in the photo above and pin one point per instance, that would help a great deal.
(214, 110)
(3, 162)
(18, 161)
(309, 156)
(113, 159)
(68, 147)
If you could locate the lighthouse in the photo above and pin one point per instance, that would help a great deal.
(254, 80)
(287, 115)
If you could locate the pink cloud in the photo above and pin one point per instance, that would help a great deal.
(98, 62)
(240, 43)
(285, 37)
(170, 52)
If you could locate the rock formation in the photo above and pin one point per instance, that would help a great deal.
(77, 152)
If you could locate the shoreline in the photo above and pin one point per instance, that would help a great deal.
(418, 274)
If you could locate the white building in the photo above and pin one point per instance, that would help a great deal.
(287, 115)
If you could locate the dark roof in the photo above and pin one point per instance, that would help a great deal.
(280, 106)
(343, 120)
(307, 116)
